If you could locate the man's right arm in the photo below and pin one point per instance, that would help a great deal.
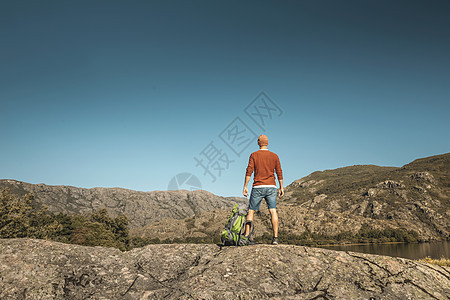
(247, 179)
(248, 174)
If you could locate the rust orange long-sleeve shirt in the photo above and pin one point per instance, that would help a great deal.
(264, 163)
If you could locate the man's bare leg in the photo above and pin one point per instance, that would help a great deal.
(249, 218)
(274, 218)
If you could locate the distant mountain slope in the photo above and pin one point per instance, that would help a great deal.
(350, 199)
(415, 196)
(140, 207)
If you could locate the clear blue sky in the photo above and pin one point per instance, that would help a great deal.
(128, 93)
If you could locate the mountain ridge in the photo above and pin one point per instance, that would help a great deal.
(363, 202)
(140, 207)
(327, 203)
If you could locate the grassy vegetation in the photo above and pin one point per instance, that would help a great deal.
(364, 235)
(445, 262)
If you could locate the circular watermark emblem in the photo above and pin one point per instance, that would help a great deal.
(184, 181)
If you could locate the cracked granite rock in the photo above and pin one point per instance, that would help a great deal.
(37, 269)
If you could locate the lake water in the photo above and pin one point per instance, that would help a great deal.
(411, 251)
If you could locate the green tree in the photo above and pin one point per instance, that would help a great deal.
(14, 211)
(20, 218)
(100, 230)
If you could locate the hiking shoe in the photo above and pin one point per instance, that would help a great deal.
(275, 241)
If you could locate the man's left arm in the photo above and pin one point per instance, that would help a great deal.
(280, 177)
(281, 190)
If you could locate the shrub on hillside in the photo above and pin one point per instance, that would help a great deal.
(20, 218)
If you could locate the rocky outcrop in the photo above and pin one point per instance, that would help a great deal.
(141, 208)
(37, 269)
(413, 197)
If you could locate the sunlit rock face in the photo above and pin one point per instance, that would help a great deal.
(37, 269)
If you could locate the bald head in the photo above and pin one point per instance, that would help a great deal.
(263, 140)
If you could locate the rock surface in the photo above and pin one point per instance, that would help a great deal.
(37, 269)
(141, 208)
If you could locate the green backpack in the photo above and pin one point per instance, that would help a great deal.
(234, 231)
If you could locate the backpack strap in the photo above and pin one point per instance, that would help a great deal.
(243, 240)
(252, 228)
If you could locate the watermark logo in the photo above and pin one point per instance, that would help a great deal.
(215, 159)
(184, 181)
(262, 109)
(237, 136)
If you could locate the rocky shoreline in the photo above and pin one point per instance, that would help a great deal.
(38, 269)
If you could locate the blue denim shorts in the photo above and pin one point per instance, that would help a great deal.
(269, 193)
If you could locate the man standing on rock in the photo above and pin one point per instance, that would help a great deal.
(264, 163)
